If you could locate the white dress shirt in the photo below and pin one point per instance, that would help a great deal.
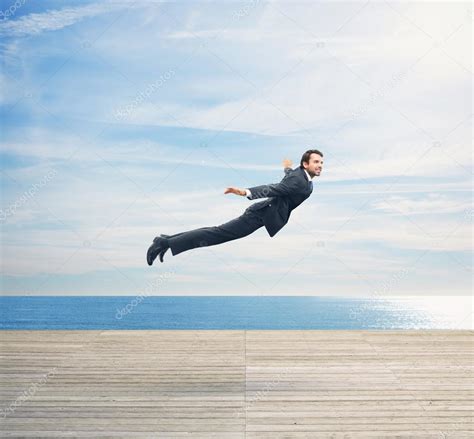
(249, 194)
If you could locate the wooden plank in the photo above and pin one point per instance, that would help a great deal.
(237, 384)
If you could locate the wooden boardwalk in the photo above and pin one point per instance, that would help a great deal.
(237, 384)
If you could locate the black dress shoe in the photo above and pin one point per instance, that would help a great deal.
(159, 245)
(162, 253)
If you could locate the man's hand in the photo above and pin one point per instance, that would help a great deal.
(236, 191)
(287, 163)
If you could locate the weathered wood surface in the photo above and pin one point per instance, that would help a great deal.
(237, 384)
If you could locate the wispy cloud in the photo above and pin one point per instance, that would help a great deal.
(384, 91)
(431, 204)
(56, 19)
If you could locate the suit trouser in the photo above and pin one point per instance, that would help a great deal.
(244, 225)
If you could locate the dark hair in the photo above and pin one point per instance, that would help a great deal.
(307, 155)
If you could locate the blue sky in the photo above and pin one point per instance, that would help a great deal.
(123, 120)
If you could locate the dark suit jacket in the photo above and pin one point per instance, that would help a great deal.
(283, 198)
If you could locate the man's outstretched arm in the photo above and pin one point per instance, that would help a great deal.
(289, 185)
(264, 190)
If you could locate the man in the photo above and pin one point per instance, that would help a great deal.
(273, 213)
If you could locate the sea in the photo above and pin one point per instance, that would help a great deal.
(234, 312)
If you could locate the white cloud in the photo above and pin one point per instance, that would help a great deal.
(128, 232)
(431, 204)
(55, 19)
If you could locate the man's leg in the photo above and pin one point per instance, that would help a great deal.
(237, 228)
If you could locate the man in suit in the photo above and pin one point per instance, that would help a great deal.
(273, 213)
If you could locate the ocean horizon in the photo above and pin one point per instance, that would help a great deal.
(234, 312)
